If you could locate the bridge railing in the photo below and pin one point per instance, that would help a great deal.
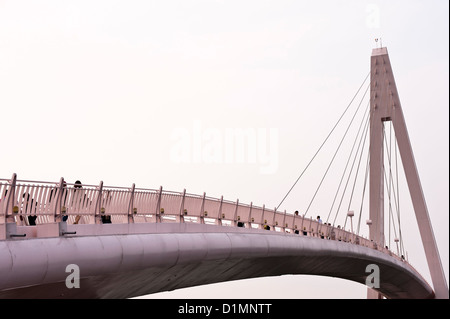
(30, 203)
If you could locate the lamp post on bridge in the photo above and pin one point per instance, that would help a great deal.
(351, 214)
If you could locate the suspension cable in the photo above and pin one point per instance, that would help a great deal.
(369, 131)
(398, 198)
(390, 205)
(323, 143)
(389, 183)
(364, 189)
(389, 153)
(366, 129)
(349, 157)
(337, 150)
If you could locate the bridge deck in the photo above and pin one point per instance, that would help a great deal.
(129, 241)
(149, 258)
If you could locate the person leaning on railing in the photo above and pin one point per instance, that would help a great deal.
(77, 185)
(29, 205)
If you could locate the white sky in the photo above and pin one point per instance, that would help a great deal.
(100, 90)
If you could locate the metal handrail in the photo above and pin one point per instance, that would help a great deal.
(50, 201)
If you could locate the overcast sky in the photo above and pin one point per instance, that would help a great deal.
(151, 92)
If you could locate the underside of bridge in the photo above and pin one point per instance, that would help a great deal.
(179, 256)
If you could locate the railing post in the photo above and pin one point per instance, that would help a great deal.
(302, 229)
(327, 231)
(202, 209)
(9, 209)
(294, 225)
(262, 216)
(98, 205)
(235, 212)
(131, 206)
(182, 207)
(158, 206)
(219, 215)
(57, 207)
(310, 229)
(273, 220)
(332, 233)
(250, 216)
(284, 222)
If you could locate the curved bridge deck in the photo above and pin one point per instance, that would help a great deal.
(143, 259)
(129, 242)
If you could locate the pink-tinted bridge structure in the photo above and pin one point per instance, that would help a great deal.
(128, 241)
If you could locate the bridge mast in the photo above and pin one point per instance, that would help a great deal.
(385, 106)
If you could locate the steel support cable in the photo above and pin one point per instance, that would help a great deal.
(391, 186)
(348, 161)
(323, 143)
(394, 193)
(392, 189)
(398, 197)
(398, 212)
(388, 186)
(337, 150)
(357, 169)
(389, 152)
(364, 190)
(366, 129)
(390, 205)
(366, 175)
(345, 169)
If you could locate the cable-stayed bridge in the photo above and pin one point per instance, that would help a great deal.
(71, 240)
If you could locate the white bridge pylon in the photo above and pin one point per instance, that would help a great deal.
(385, 106)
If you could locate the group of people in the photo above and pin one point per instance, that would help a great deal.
(319, 220)
(29, 206)
(105, 219)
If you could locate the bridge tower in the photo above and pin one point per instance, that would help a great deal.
(385, 106)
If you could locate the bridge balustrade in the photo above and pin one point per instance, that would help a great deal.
(28, 200)
(257, 217)
(324, 230)
(212, 210)
(243, 215)
(279, 221)
(114, 204)
(290, 223)
(145, 206)
(170, 207)
(192, 208)
(32, 203)
(227, 213)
